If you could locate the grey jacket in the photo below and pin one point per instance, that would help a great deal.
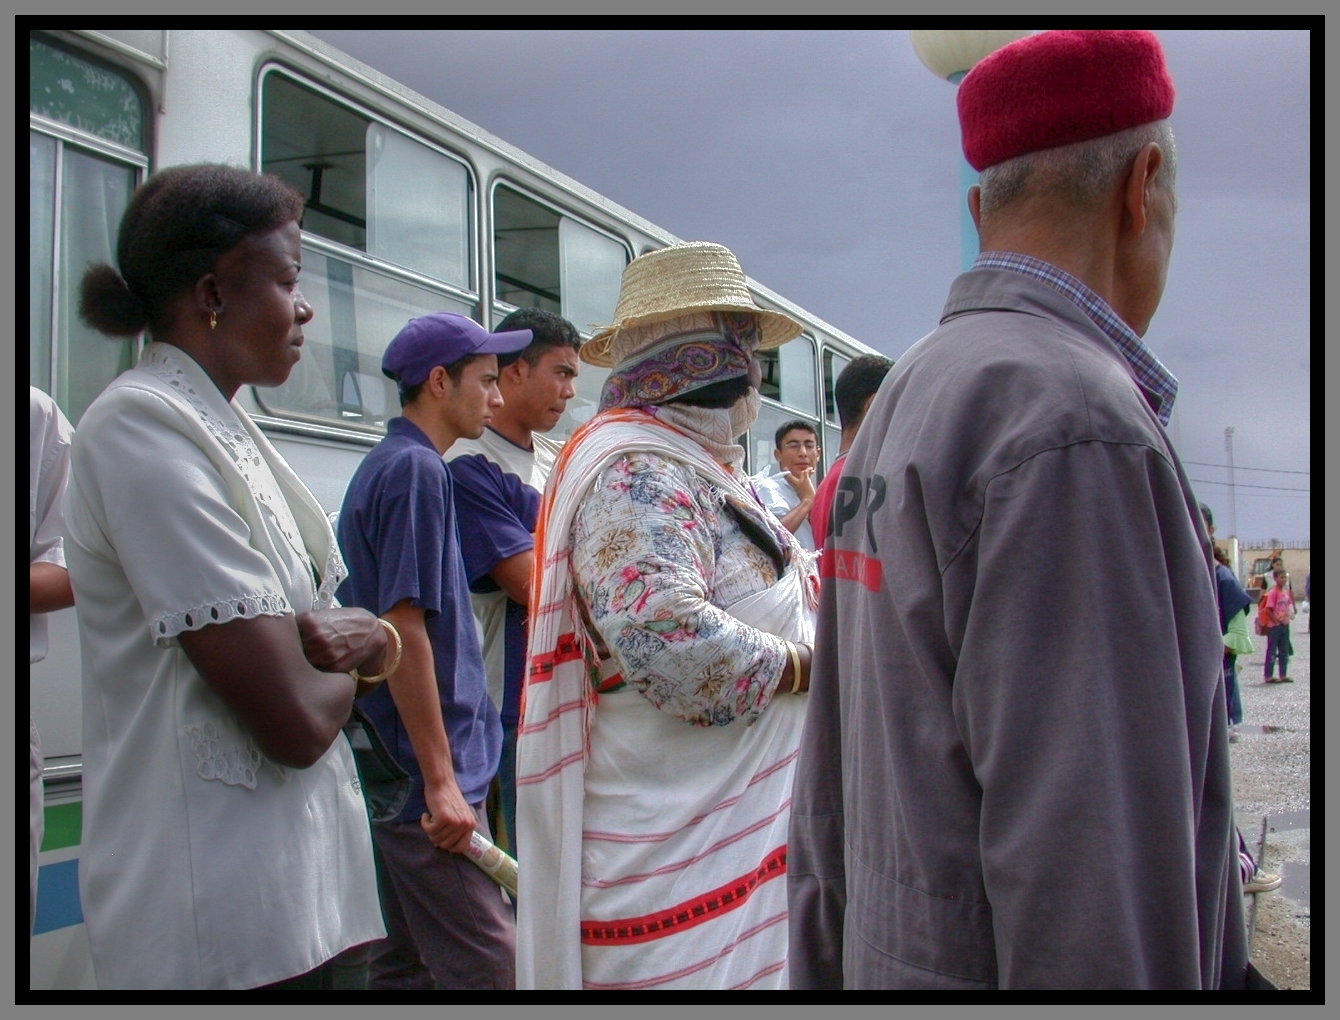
(1015, 767)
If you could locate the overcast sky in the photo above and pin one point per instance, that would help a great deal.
(829, 162)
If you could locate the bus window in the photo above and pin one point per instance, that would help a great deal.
(788, 375)
(418, 203)
(41, 255)
(832, 440)
(374, 190)
(798, 387)
(94, 99)
(544, 259)
(319, 148)
(834, 363)
(525, 252)
(357, 312)
(771, 386)
(86, 133)
(590, 271)
(368, 186)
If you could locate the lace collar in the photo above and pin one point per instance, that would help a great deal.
(229, 425)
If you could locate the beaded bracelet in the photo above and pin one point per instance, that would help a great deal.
(393, 636)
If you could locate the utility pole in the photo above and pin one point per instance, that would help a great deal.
(1232, 488)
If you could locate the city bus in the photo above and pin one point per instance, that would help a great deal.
(409, 209)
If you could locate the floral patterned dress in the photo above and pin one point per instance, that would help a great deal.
(657, 556)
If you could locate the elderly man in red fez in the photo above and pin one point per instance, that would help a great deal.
(1015, 768)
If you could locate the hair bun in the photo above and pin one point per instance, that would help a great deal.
(107, 303)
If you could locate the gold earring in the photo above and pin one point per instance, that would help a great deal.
(213, 320)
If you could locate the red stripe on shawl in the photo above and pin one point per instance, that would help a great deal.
(716, 847)
(567, 706)
(557, 767)
(773, 969)
(657, 837)
(542, 666)
(690, 913)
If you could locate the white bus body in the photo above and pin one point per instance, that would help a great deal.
(410, 209)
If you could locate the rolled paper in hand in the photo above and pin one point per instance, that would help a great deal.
(498, 865)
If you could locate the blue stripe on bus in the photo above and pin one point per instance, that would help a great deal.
(58, 897)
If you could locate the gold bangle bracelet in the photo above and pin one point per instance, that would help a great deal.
(795, 667)
(393, 638)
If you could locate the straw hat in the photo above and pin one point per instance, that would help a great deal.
(696, 276)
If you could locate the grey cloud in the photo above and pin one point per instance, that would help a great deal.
(829, 162)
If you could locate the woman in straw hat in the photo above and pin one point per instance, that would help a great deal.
(670, 637)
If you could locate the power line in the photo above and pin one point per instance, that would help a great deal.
(1239, 467)
(1272, 495)
(1273, 488)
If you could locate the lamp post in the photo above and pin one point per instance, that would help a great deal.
(1232, 502)
(950, 54)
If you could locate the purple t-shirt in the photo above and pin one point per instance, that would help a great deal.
(497, 512)
(397, 530)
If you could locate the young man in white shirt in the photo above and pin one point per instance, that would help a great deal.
(790, 494)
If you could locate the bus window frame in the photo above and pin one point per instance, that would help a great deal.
(138, 161)
(501, 177)
(474, 294)
(815, 373)
(334, 249)
(822, 379)
(330, 248)
(125, 64)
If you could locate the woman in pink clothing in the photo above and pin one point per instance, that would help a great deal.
(1279, 610)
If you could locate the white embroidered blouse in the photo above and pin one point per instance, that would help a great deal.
(204, 864)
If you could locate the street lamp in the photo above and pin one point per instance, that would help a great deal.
(1232, 499)
(951, 54)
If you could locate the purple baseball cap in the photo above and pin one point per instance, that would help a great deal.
(443, 338)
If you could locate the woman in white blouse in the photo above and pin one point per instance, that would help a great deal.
(226, 841)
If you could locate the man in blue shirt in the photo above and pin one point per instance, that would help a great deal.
(497, 480)
(449, 926)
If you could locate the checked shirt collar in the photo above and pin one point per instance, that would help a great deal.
(1159, 384)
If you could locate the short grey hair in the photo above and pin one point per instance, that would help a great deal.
(1082, 174)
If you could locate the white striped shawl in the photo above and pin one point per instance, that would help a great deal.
(652, 848)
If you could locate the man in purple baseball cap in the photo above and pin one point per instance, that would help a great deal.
(448, 924)
(443, 339)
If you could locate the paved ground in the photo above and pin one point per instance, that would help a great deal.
(1272, 774)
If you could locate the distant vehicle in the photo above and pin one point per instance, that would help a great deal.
(410, 209)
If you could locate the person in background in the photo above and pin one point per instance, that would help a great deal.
(226, 842)
(449, 926)
(1233, 620)
(1015, 771)
(856, 386)
(1311, 608)
(790, 494)
(496, 518)
(1234, 605)
(49, 435)
(1278, 612)
(1234, 608)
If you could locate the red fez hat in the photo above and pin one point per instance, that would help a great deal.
(1061, 87)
